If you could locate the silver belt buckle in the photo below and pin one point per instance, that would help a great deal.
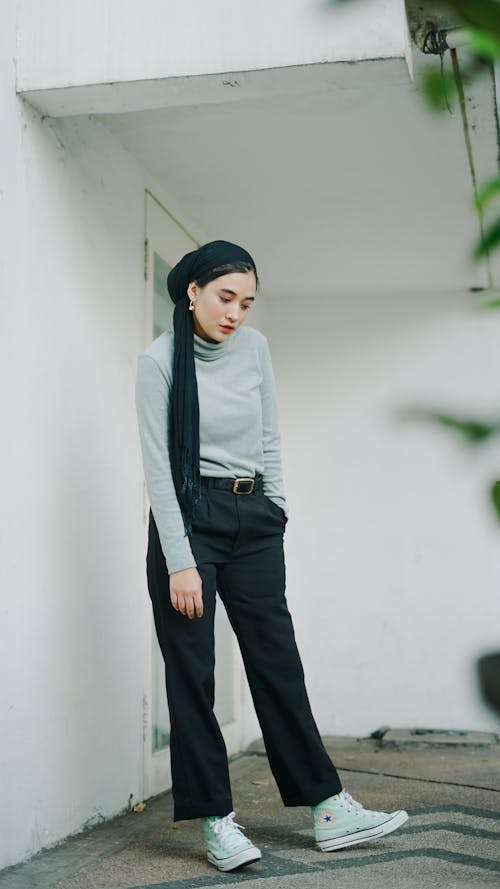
(246, 481)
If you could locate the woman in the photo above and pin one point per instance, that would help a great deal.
(206, 407)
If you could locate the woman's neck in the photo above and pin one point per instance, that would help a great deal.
(209, 350)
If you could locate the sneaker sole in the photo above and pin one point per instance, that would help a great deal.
(360, 836)
(246, 856)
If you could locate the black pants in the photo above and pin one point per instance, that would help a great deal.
(237, 541)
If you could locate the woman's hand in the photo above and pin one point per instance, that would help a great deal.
(185, 592)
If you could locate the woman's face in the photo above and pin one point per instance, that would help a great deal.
(222, 305)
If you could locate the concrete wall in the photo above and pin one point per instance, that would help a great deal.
(392, 547)
(62, 43)
(73, 596)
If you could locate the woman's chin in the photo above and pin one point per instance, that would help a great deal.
(215, 334)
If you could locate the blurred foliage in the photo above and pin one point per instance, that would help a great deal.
(481, 14)
(489, 678)
(481, 20)
(488, 191)
(469, 431)
(495, 496)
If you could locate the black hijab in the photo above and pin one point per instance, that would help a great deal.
(184, 415)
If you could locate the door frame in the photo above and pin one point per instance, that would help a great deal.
(165, 235)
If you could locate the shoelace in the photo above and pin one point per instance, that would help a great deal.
(357, 806)
(226, 829)
(352, 802)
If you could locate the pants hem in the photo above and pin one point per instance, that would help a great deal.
(202, 810)
(314, 795)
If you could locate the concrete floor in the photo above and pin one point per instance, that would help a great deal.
(452, 794)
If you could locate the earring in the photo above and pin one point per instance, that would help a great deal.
(191, 306)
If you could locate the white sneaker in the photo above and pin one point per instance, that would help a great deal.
(341, 821)
(227, 848)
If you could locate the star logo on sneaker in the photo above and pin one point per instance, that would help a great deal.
(328, 817)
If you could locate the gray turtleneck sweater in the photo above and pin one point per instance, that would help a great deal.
(239, 433)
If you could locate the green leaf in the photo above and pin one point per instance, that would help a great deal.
(485, 44)
(487, 191)
(472, 431)
(490, 239)
(495, 497)
(492, 304)
(437, 88)
(481, 14)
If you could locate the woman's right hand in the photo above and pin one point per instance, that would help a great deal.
(185, 592)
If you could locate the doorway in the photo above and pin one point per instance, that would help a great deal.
(165, 242)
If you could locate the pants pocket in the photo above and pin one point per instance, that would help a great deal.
(278, 510)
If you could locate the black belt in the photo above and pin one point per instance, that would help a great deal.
(243, 485)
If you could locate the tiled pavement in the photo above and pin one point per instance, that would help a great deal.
(452, 839)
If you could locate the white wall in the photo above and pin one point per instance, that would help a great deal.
(392, 548)
(73, 587)
(61, 43)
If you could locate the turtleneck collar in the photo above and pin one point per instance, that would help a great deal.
(211, 351)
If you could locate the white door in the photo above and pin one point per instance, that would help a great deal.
(165, 243)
